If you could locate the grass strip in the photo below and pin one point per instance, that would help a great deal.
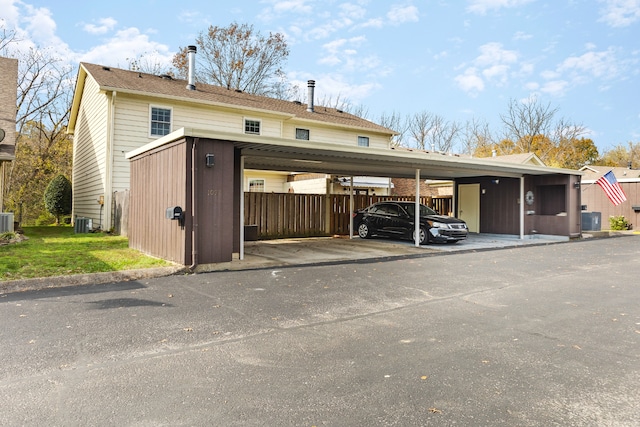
(57, 251)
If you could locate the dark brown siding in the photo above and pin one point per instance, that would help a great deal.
(214, 190)
(499, 208)
(500, 205)
(158, 181)
(550, 214)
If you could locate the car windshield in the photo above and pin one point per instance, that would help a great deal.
(424, 210)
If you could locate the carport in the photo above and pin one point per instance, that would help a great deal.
(282, 155)
(237, 152)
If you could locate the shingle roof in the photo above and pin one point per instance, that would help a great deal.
(521, 158)
(109, 78)
(591, 173)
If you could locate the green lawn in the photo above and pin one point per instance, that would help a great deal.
(56, 251)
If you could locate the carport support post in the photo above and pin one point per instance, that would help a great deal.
(351, 207)
(521, 207)
(417, 211)
(241, 207)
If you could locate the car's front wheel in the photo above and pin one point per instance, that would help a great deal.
(363, 231)
(423, 237)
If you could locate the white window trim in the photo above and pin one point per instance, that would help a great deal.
(363, 136)
(164, 107)
(264, 185)
(244, 125)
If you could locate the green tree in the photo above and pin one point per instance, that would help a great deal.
(621, 156)
(238, 57)
(57, 197)
(43, 150)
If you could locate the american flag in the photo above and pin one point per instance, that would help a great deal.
(610, 185)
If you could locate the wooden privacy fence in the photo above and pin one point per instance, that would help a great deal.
(281, 215)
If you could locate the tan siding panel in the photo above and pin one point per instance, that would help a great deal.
(89, 152)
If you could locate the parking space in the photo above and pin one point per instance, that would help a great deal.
(318, 250)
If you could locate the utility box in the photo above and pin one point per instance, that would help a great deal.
(83, 225)
(591, 221)
(251, 232)
(6, 222)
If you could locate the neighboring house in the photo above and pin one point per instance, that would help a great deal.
(116, 111)
(594, 199)
(8, 94)
(313, 183)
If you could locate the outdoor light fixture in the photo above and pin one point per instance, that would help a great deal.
(209, 160)
(576, 184)
(495, 181)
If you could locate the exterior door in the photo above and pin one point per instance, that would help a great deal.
(469, 205)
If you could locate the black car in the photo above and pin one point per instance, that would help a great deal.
(396, 219)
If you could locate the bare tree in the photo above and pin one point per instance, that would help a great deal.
(419, 127)
(396, 122)
(432, 132)
(238, 57)
(477, 138)
(149, 63)
(43, 150)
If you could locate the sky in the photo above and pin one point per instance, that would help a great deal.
(461, 60)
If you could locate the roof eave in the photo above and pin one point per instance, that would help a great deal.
(77, 97)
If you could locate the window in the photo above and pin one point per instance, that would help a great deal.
(160, 121)
(256, 185)
(302, 134)
(252, 126)
(552, 199)
(363, 141)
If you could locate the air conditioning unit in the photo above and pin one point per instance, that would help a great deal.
(6, 222)
(83, 225)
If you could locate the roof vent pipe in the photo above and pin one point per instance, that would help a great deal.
(311, 85)
(191, 57)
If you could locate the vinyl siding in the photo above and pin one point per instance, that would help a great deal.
(274, 182)
(325, 134)
(89, 151)
(131, 131)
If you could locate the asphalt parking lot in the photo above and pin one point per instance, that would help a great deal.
(535, 335)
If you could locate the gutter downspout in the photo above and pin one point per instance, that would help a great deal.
(241, 207)
(194, 205)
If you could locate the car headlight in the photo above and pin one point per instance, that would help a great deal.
(436, 224)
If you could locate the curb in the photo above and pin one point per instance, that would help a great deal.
(39, 283)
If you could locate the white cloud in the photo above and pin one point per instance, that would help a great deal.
(555, 87)
(493, 64)
(496, 72)
(470, 81)
(483, 6)
(104, 25)
(401, 14)
(521, 35)
(344, 52)
(620, 13)
(125, 45)
(292, 6)
(596, 64)
(353, 11)
(492, 53)
(41, 26)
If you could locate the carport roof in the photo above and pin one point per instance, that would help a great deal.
(267, 153)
